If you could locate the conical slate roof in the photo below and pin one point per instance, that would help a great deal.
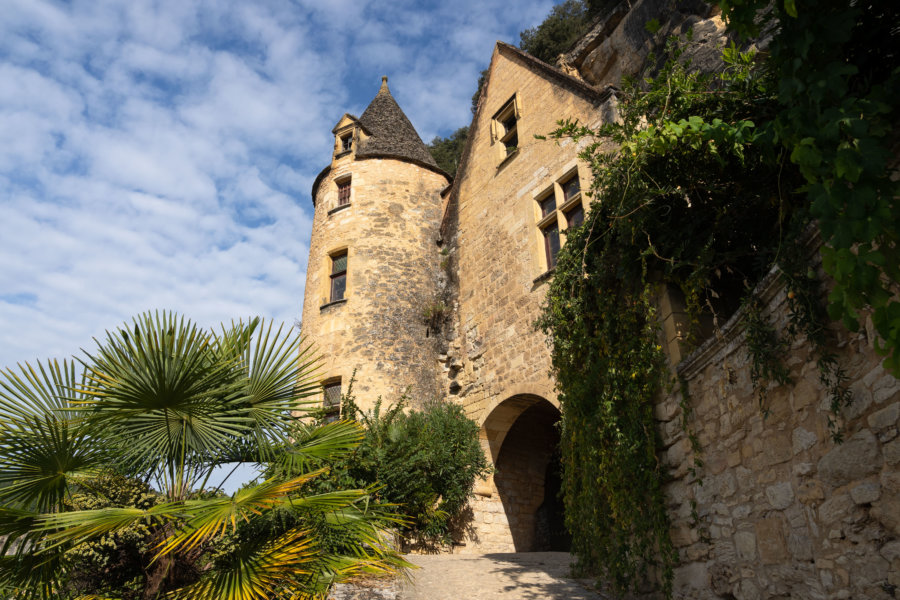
(392, 135)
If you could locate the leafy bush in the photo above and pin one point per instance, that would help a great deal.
(424, 461)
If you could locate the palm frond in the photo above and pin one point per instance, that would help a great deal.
(313, 443)
(278, 570)
(208, 518)
(281, 372)
(78, 526)
(162, 387)
(31, 577)
(43, 444)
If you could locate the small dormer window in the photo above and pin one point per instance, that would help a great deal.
(343, 137)
(505, 127)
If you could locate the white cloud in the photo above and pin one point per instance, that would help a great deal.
(159, 154)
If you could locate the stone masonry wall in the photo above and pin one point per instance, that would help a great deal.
(389, 231)
(494, 350)
(782, 511)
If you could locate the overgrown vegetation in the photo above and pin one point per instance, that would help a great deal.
(163, 402)
(559, 31)
(838, 79)
(704, 184)
(423, 461)
(683, 196)
(447, 151)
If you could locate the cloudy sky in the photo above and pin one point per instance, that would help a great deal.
(158, 154)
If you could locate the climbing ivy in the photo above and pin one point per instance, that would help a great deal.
(689, 194)
(705, 183)
(837, 65)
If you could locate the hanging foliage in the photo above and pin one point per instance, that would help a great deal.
(704, 184)
(690, 193)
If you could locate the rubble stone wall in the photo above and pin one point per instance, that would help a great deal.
(779, 509)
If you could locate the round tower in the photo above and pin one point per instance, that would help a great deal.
(371, 281)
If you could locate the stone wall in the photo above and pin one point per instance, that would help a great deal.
(389, 231)
(779, 509)
(495, 242)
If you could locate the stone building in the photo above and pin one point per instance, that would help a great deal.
(430, 287)
(373, 262)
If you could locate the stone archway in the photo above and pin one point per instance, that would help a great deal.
(521, 437)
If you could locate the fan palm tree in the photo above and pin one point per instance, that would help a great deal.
(167, 402)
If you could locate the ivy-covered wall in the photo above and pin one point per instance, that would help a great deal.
(777, 509)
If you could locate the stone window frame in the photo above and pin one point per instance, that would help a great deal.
(329, 276)
(344, 190)
(553, 211)
(331, 405)
(505, 127)
(344, 140)
(338, 274)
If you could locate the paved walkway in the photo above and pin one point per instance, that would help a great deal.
(520, 576)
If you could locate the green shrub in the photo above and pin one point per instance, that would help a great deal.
(424, 461)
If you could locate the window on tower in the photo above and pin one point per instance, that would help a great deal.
(331, 399)
(343, 192)
(338, 276)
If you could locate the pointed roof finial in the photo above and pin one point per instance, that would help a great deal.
(390, 132)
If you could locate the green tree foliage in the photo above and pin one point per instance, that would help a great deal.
(695, 197)
(557, 33)
(836, 63)
(165, 402)
(448, 151)
(425, 461)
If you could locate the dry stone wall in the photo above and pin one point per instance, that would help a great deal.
(778, 509)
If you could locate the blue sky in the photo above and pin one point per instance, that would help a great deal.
(159, 154)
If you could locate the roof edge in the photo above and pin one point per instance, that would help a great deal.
(324, 172)
(552, 72)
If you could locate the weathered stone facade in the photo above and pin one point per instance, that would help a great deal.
(782, 512)
(497, 364)
(387, 231)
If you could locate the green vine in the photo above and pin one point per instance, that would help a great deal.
(697, 195)
(692, 198)
(766, 349)
(838, 79)
(703, 184)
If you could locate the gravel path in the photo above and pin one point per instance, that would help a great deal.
(520, 576)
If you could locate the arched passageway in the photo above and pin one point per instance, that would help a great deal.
(523, 440)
